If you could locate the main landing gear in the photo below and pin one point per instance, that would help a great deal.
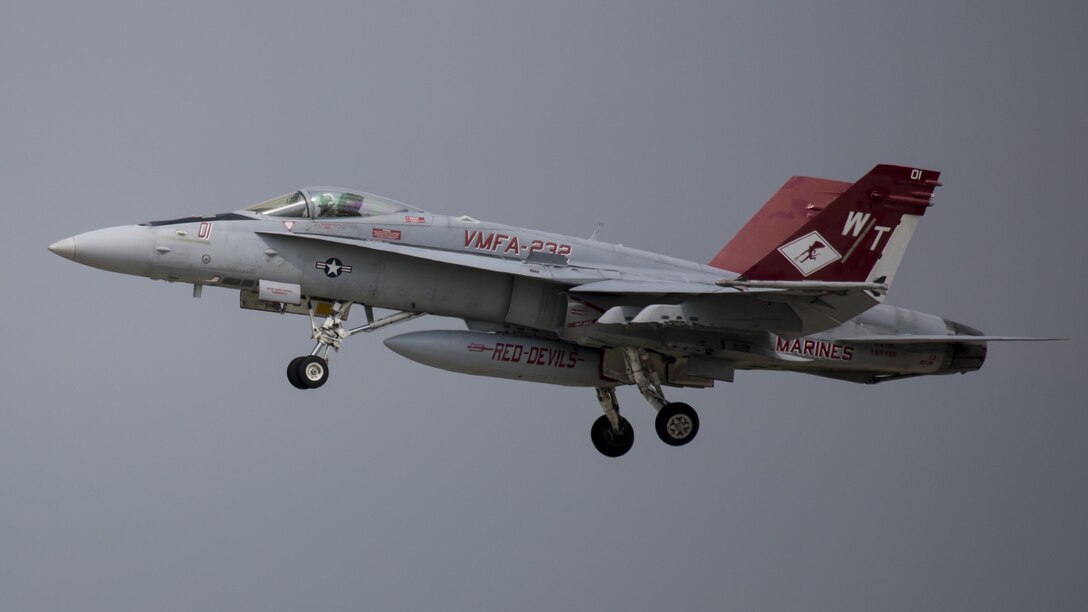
(676, 423)
(311, 371)
(611, 433)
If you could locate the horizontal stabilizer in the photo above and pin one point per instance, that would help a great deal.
(649, 287)
(806, 287)
(939, 338)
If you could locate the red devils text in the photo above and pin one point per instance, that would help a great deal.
(535, 355)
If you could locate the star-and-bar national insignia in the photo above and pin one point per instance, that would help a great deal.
(333, 267)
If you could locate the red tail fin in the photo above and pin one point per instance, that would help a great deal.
(800, 199)
(860, 236)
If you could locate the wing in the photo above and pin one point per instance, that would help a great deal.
(797, 288)
(544, 270)
(791, 307)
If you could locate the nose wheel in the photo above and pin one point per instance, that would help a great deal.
(311, 371)
(308, 372)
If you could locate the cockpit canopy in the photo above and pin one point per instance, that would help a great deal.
(328, 202)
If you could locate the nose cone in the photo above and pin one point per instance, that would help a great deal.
(65, 248)
(126, 249)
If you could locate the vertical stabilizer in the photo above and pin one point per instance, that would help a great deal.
(860, 236)
(792, 206)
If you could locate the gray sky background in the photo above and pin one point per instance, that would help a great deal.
(153, 456)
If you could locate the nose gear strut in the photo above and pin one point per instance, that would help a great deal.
(311, 371)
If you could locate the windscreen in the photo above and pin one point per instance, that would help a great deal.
(289, 205)
(326, 202)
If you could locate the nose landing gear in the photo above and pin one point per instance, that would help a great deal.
(311, 371)
(308, 372)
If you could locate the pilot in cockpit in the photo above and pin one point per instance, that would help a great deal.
(346, 205)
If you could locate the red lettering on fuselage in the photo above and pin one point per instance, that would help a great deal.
(484, 244)
(493, 243)
(535, 355)
(514, 246)
(813, 348)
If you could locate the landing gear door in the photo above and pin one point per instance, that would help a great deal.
(613, 366)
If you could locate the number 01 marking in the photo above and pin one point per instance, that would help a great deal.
(915, 175)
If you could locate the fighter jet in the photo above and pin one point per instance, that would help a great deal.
(800, 288)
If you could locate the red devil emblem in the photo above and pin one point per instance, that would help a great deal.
(810, 253)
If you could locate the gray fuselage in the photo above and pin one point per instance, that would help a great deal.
(524, 286)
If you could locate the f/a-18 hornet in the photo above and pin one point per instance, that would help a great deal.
(801, 288)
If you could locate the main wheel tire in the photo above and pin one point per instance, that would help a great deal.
(292, 373)
(312, 371)
(611, 443)
(677, 424)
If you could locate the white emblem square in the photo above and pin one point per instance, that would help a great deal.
(809, 253)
